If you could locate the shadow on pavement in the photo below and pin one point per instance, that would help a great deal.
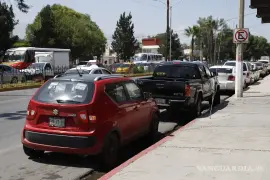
(18, 115)
(215, 109)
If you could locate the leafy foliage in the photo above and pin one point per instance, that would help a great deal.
(124, 43)
(7, 24)
(61, 27)
(176, 45)
(22, 5)
(214, 39)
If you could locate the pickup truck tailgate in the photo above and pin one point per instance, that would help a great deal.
(169, 88)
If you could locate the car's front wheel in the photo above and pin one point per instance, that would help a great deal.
(32, 153)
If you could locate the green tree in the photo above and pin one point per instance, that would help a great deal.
(193, 32)
(124, 43)
(22, 5)
(176, 45)
(7, 24)
(61, 27)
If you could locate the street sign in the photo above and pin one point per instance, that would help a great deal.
(241, 35)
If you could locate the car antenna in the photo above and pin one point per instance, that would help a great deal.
(79, 72)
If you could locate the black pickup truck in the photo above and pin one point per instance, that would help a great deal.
(182, 86)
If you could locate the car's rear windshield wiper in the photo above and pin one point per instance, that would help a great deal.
(67, 101)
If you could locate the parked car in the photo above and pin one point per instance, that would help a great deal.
(67, 115)
(40, 69)
(182, 86)
(261, 68)
(125, 68)
(256, 71)
(10, 75)
(114, 66)
(88, 70)
(226, 77)
(267, 64)
(247, 71)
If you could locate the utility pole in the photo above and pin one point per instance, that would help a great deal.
(239, 54)
(168, 30)
(170, 33)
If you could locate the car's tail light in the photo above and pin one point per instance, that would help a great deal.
(92, 119)
(31, 113)
(187, 90)
(231, 78)
(248, 74)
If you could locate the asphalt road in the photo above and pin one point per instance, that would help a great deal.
(14, 165)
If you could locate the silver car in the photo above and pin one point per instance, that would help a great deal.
(10, 75)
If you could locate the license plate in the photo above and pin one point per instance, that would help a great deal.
(56, 122)
(160, 101)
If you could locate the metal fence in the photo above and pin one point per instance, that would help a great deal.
(12, 78)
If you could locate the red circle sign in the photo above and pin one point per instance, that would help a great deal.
(241, 35)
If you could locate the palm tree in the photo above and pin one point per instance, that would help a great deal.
(192, 32)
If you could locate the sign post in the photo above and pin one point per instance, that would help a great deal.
(240, 37)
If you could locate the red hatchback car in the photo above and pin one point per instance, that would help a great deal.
(89, 114)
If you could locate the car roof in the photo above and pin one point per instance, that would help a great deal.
(221, 66)
(89, 77)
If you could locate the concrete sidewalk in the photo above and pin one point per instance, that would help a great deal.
(233, 145)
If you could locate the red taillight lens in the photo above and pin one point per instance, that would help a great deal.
(31, 113)
(231, 78)
(187, 90)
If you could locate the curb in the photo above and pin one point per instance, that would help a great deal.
(144, 152)
(38, 85)
(20, 88)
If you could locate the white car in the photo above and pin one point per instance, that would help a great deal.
(247, 71)
(256, 71)
(226, 77)
(94, 69)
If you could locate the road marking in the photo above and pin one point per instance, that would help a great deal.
(2, 151)
(11, 100)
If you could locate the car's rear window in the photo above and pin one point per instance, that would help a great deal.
(222, 70)
(171, 71)
(65, 92)
(234, 64)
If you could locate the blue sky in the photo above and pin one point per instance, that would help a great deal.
(149, 16)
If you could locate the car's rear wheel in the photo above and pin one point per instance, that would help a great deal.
(152, 135)
(32, 153)
(110, 152)
(197, 109)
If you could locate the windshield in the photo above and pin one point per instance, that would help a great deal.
(137, 57)
(75, 71)
(221, 70)
(14, 56)
(265, 62)
(37, 66)
(125, 65)
(66, 92)
(185, 72)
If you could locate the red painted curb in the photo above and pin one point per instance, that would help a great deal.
(142, 153)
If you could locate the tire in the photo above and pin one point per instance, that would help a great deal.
(152, 135)
(32, 153)
(14, 80)
(245, 85)
(197, 109)
(110, 152)
(217, 99)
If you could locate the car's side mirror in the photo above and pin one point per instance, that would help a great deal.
(147, 95)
